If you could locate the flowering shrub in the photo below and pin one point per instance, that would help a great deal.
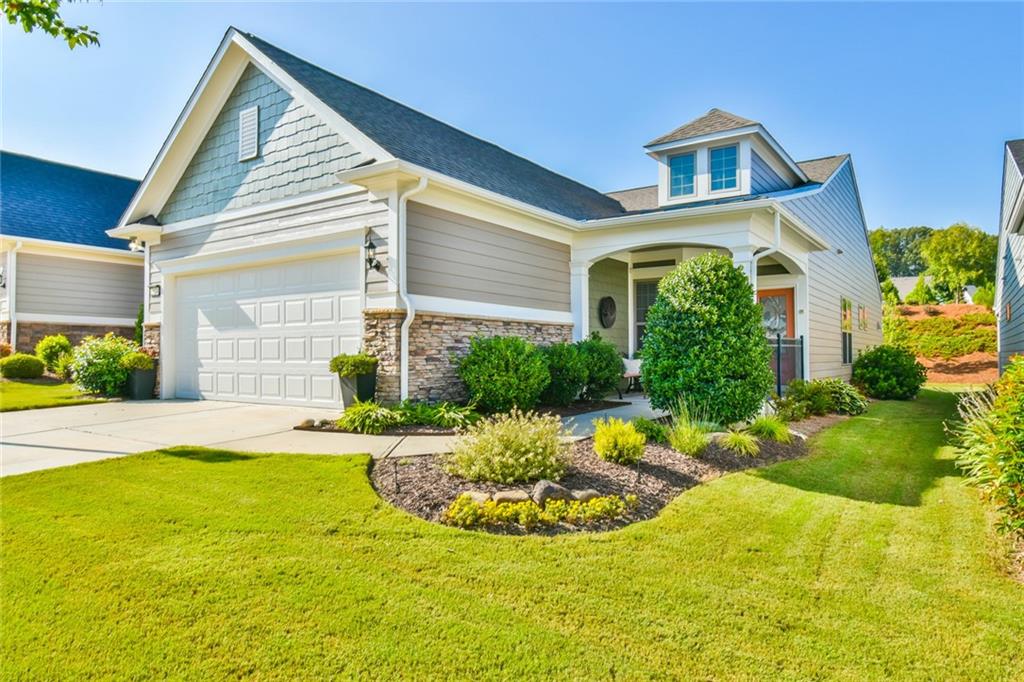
(465, 513)
(618, 441)
(509, 448)
(96, 364)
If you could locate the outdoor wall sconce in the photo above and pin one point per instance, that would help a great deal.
(371, 255)
(154, 291)
(3, 277)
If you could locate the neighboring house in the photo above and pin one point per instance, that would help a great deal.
(292, 215)
(61, 273)
(904, 285)
(1009, 303)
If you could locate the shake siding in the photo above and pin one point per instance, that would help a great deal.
(1011, 284)
(324, 217)
(454, 256)
(835, 214)
(298, 153)
(609, 277)
(762, 177)
(49, 285)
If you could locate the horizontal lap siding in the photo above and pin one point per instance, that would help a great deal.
(49, 285)
(609, 277)
(1011, 284)
(454, 256)
(835, 214)
(762, 177)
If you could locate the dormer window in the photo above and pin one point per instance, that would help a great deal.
(682, 169)
(723, 168)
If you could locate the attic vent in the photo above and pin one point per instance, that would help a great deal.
(248, 133)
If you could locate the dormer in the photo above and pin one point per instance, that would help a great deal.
(720, 155)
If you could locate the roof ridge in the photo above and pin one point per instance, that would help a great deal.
(421, 113)
(822, 158)
(68, 165)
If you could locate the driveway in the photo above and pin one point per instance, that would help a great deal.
(43, 439)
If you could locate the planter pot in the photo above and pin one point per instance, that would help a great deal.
(362, 387)
(141, 383)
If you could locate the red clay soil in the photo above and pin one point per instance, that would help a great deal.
(916, 312)
(976, 368)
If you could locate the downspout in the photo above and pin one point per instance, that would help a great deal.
(12, 287)
(403, 293)
(776, 245)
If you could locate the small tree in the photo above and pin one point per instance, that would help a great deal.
(961, 255)
(921, 294)
(705, 341)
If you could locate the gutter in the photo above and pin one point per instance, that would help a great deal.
(403, 293)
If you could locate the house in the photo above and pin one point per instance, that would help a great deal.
(904, 285)
(292, 215)
(59, 271)
(1009, 304)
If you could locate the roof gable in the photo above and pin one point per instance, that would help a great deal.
(715, 121)
(53, 201)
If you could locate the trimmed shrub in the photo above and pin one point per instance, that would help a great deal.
(50, 348)
(96, 363)
(705, 339)
(888, 373)
(740, 442)
(604, 366)
(21, 366)
(139, 360)
(510, 448)
(504, 372)
(654, 432)
(768, 427)
(618, 441)
(353, 365)
(990, 439)
(568, 370)
(368, 417)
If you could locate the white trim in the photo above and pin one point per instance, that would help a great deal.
(262, 254)
(579, 298)
(454, 306)
(69, 250)
(756, 129)
(78, 319)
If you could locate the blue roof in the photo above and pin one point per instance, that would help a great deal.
(42, 199)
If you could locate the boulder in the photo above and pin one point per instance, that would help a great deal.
(306, 424)
(510, 496)
(585, 495)
(545, 490)
(477, 496)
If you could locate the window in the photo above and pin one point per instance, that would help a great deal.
(681, 174)
(645, 293)
(248, 133)
(862, 318)
(723, 168)
(846, 329)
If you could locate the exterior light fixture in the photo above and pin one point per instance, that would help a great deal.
(3, 277)
(371, 255)
(136, 245)
(154, 291)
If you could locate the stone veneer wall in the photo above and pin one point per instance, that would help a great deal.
(31, 333)
(436, 342)
(151, 342)
(5, 331)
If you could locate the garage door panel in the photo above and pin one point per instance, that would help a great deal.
(266, 334)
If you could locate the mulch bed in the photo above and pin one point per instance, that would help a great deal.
(976, 368)
(420, 486)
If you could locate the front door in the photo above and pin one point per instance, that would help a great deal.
(778, 307)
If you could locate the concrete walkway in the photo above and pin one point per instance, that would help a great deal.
(32, 440)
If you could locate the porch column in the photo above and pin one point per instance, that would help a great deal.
(579, 299)
(743, 258)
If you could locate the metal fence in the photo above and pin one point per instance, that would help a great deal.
(787, 360)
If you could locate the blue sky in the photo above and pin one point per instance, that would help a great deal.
(923, 95)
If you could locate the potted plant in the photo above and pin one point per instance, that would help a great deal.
(358, 376)
(141, 375)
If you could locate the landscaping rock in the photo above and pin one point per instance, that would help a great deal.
(324, 423)
(585, 495)
(307, 424)
(545, 490)
(478, 496)
(510, 496)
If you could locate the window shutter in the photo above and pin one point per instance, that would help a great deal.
(248, 133)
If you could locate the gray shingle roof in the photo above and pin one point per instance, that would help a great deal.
(715, 121)
(820, 170)
(1016, 148)
(638, 198)
(42, 199)
(417, 138)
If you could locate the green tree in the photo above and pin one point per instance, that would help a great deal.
(45, 15)
(921, 294)
(897, 251)
(961, 255)
(890, 294)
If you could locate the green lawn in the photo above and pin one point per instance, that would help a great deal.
(868, 560)
(29, 395)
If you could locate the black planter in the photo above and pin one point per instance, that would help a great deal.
(141, 383)
(362, 387)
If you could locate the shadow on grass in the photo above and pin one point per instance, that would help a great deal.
(206, 455)
(892, 455)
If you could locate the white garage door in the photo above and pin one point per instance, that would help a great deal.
(266, 334)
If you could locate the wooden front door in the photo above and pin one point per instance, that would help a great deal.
(779, 313)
